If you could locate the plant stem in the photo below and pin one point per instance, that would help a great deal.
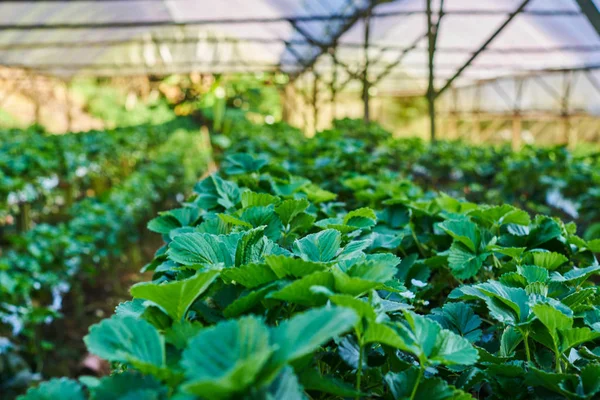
(557, 358)
(419, 377)
(359, 369)
(526, 340)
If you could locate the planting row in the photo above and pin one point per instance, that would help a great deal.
(41, 174)
(272, 285)
(540, 180)
(47, 261)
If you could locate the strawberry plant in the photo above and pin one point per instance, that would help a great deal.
(276, 284)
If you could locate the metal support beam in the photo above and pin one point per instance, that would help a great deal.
(590, 10)
(388, 69)
(334, 79)
(483, 46)
(347, 24)
(315, 100)
(432, 32)
(365, 74)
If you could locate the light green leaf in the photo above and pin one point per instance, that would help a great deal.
(57, 388)
(249, 275)
(127, 340)
(402, 384)
(464, 263)
(117, 386)
(176, 297)
(227, 358)
(299, 292)
(463, 231)
(252, 199)
(460, 319)
(361, 218)
(322, 246)
(203, 248)
(533, 273)
(284, 266)
(549, 260)
(306, 332)
(289, 209)
(254, 246)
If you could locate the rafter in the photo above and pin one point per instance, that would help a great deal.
(591, 12)
(483, 47)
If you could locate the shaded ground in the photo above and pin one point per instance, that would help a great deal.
(94, 300)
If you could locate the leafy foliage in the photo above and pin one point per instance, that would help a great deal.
(366, 286)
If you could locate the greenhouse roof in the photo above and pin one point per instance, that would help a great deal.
(477, 40)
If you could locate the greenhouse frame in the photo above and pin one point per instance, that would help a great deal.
(533, 63)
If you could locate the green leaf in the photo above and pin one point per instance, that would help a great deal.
(361, 218)
(117, 386)
(248, 301)
(252, 199)
(511, 338)
(500, 215)
(322, 246)
(552, 318)
(254, 246)
(533, 273)
(181, 332)
(460, 319)
(299, 292)
(428, 341)
(284, 266)
(127, 340)
(289, 209)
(249, 275)
(163, 224)
(311, 379)
(549, 260)
(243, 163)
(264, 216)
(594, 245)
(175, 298)
(227, 358)
(463, 231)
(402, 384)
(284, 386)
(551, 381)
(306, 332)
(464, 263)
(575, 336)
(57, 388)
(203, 248)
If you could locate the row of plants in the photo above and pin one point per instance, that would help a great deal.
(274, 285)
(552, 181)
(48, 261)
(41, 174)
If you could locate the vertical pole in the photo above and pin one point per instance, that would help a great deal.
(431, 54)
(333, 87)
(477, 114)
(517, 124)
(569, 139)
(367, 32)
(315, 95)
(68, 105)
(516, 131)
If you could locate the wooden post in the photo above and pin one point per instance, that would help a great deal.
(516, 132)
